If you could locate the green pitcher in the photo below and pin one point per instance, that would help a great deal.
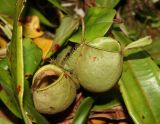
(97, 64)
(53, 90)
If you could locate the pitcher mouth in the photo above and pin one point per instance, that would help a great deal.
(46, 77)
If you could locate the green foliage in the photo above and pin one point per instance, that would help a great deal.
(32, 56)
(15, 56)
(154, 51)
(107, 100)
(83, 111)
(67, 27)
(95, 20)
(7, 94)
(7, 7)
(139, 43)
(139, 84)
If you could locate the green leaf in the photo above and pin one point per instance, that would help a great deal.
(139, 43)
(29, 107)
(107, 100)
(15, 56)
(7, 93)
(42, 18)
(7, 7)
(83, 111)
(98, 20)
(16, 63)
(107, 3)
(139, 86)
(5, 121)
(105, 106)
(119, 36)
(66, 28)
(153, 50)
(32, 56)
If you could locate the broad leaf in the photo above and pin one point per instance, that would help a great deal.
(7, 93)
(97, 23)
(107, 3)
(126, 43)
(152, 49)
(67, 27)
(139, 43)
(83, 111)
(15, 56)
(139, 85)
(32, 56)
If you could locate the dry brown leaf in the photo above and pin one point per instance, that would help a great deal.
(44, 44)
(96, 121)
(3, 43)
(32, 27)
